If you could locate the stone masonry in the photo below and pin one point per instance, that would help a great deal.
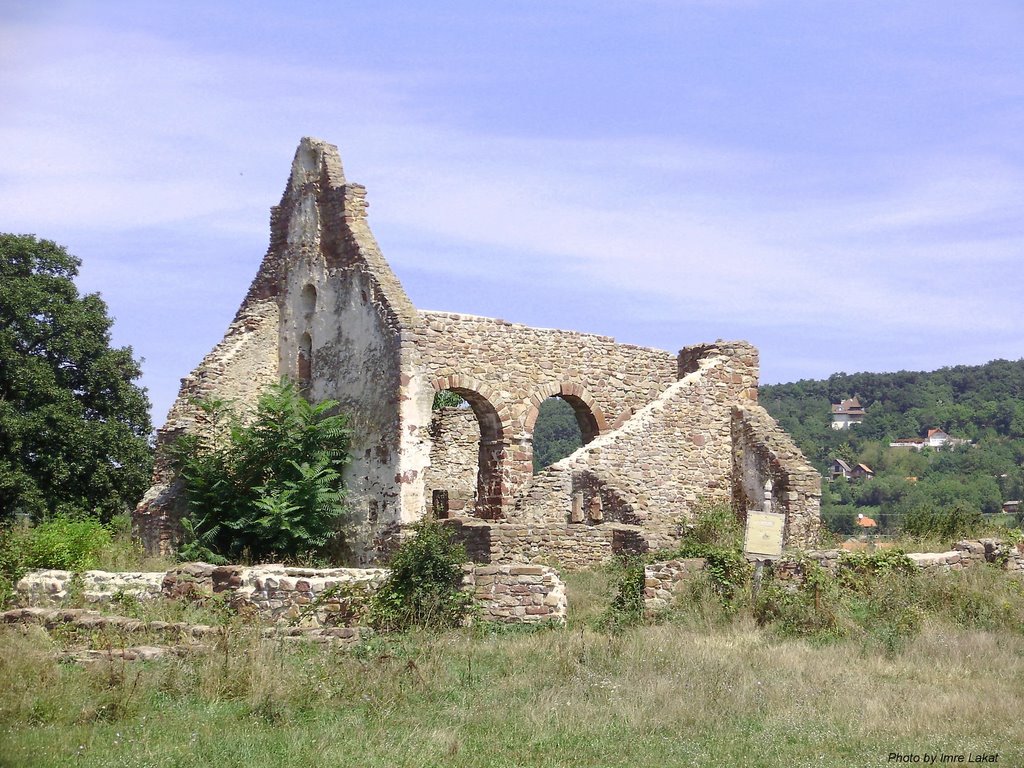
(661, 432)
(669, 581)
(510, 594)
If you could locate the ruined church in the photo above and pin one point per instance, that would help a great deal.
(662, 432)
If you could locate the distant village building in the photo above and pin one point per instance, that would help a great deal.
(846, 413)
(841, 469)
(1011, 507)
(862, 471)
(917, 443)
(935, 438)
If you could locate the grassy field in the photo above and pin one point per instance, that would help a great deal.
(698, 691)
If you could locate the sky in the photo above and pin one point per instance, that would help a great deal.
(840, 183)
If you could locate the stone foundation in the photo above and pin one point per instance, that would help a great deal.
(521, 594)
(664, 581)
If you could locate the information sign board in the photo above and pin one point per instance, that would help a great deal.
(764, 535)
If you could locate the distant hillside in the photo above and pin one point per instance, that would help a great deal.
(983, 404)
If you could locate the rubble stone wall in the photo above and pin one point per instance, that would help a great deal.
(666, 581)
(964, 554)
(763, 452)
(507, 593)
(454, 454)
(663, 582)
(627, 476)
(505, 371)
(53, 587)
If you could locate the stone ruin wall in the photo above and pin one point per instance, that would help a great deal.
(624, 477)
(763, 452)
(505, 371)
(326, 310)
(454, 453)
(511, 594)
(343, 315)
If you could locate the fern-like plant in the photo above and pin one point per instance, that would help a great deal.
(269, 487)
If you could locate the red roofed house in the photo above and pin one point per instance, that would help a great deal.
(861, 471)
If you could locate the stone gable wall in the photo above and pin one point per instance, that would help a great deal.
(661, 431)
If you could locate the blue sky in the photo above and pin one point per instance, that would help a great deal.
(841, 183)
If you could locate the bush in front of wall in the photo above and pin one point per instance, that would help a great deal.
(424, 587)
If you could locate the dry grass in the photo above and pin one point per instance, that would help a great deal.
(675, 694)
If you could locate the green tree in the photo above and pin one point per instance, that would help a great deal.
(73, 424)
(270, 487)
(446, 399)
(556, 433)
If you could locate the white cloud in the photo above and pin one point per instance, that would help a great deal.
(114, 131)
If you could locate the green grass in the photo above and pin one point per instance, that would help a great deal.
(681, 693)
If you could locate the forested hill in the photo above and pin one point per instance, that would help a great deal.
(983, 404)
(967, 401)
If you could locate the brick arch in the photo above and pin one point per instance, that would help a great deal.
(493, 415)
(589, 415)
(495, 421)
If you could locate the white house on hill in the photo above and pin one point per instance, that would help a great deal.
(846, 413)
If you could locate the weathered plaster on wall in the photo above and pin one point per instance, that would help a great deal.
(662, 431)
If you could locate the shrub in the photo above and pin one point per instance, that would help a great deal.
(979, 598)
(424, 588)
(269, 488)
(67, 544)
(716, 535)
(874, 597)
(627, 606)
(811, 609)
(957, 520)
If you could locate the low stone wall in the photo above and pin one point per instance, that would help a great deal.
(320, 597)
(518, 594)
(663, 581)
(514, 593)
(53, 587)
(964, 554)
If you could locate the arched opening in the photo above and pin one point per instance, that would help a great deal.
(556, 434)
(565, 421)
(304, 363)
(467, 455)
